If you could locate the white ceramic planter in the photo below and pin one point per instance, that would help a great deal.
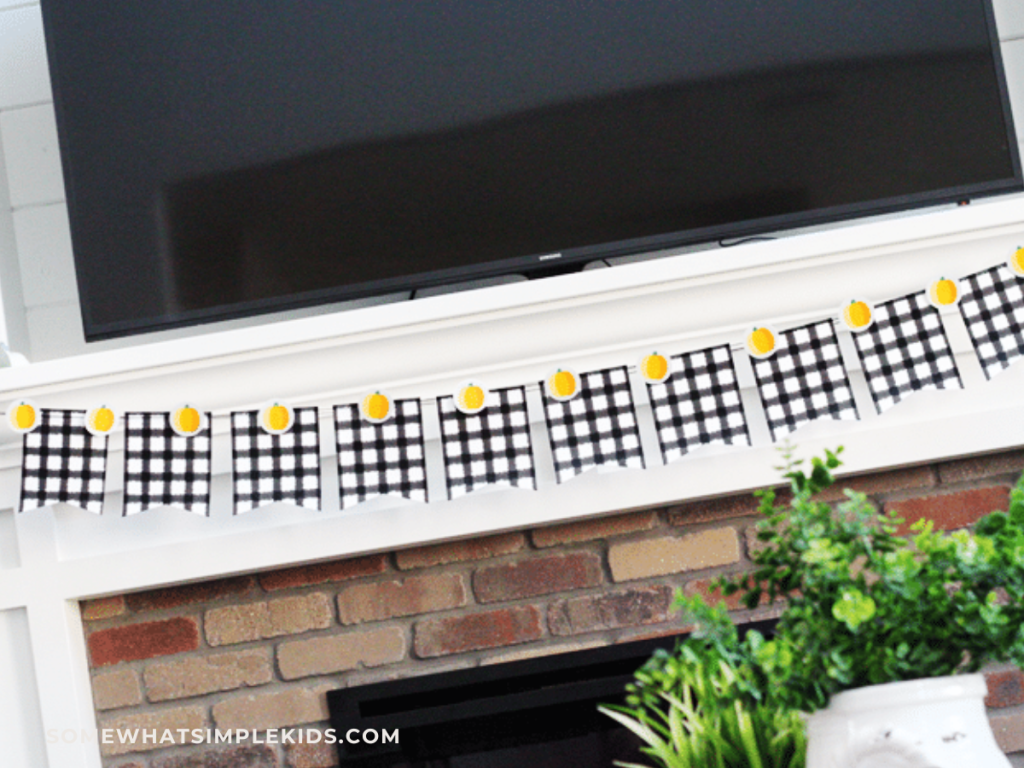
(938, 722)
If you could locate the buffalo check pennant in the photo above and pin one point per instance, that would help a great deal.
(63, 462)
(906, 350)
(271, 468)
(804, 379)
(699, 404)
(380, 459)
(491, 447)
(164, 469)
(993, 310)
(596, 427)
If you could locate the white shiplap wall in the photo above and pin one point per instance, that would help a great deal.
(36, 270)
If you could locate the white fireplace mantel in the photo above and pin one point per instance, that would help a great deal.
(507, 335)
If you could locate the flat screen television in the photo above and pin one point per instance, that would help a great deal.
(229, 158)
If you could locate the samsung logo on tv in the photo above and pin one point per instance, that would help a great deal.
(549, 256)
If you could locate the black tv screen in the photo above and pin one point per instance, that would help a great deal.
(241, 156)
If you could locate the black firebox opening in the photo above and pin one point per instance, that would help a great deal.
(537, 712)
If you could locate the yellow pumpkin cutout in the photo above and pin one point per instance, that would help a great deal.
(857, 315)
(23, 416)
(377, 407)
(761, 341)
(654, 368)
(563, 384)
(471, 397)
(276, 417)
(100, 421)
(186, 420)
(1016, 262)
(944, 292)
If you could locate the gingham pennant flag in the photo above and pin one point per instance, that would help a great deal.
(491, 447)
(906, 350)
(270, 468)
(993, 309)
(699, 403)
(380, 459)
(804, 380)
(596, 427)
(62, 462)
(162, 468)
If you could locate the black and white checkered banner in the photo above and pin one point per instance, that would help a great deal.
(63, 462)
(272, 468)
(380, 459)
(485, 437)
(993, 310)
(163, 468)
(804, 380)
(699, 404)
(491, 447)
(597, 427)
(905, 350)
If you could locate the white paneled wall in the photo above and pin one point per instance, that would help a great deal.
(21, 727)
(36, 277)
(1010, 19)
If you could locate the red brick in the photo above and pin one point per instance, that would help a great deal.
(427, 593)
(245, 756)
(494, 629)
(459, 551)
(103, 608)
(320, 573)
(877, 483)
(1005, 688)
(537, 576)
(593, 613)
(708, 510)
(980, 467)
(952, 510)
(702, 587)
(319, 755)
(143, 641)
(202, 592)
(601, 528)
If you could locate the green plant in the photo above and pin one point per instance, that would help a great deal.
(706, 705)
(866, 606)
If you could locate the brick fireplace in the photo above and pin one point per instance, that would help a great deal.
(260, 651)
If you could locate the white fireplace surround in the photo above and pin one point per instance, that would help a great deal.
(506, 335)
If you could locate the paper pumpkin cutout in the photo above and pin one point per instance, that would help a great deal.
(654, 368)
(857, 315)
(471, 397)
(187, 421)
(1016, 262)
(761, 342)
(23, 416)
(377, 407)
(944, 292)
(100, 421)
(276, 417)
(563, 384)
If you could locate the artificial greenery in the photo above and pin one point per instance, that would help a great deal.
(866, 606)
(865, 603)
(707, 706)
